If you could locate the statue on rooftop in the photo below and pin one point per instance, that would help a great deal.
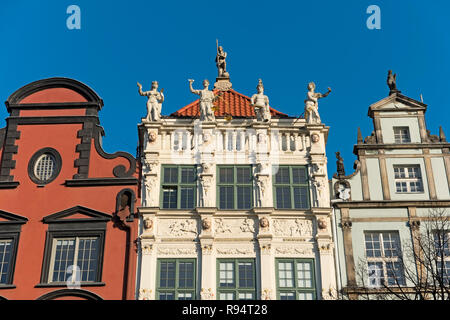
(311, 103)
(207, 97)
(392, 82)
(221, 62)
(261, 103)
(154, 101)
(340, 165)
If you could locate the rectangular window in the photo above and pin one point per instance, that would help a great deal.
(178, 187)
(290, 184)
(401, 135)
(176, 279)
(295, 279)
(6, 256)
(384, 259)
(70, 255)
(236, 279)
(408, 179)
(442, 251)
(235, 187)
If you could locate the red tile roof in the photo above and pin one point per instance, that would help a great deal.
(229, 103)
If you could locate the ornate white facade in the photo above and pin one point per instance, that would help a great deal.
(262, 232)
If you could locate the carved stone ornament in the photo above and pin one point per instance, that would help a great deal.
(315, 138)
(266, 294)
(222, 227)
(233, 251)
(264, 223)
(146, 248)
(183, 228)
(292, 228)
(247, 226)
(152, 136)
(145, 294)
(176, 251)
(330, 294)
(206, 224)
(207, 249)
(148, 224)
(322, 223)
(206, 294)
(294, 250)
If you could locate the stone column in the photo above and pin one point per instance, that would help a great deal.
(267, 258)
(208, 261)
(147, 254)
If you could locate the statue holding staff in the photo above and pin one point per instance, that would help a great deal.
(221, 61)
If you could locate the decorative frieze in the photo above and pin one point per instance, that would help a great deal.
(178, 227)
(176, 251)
(292, 227)
(294, 250)
(235, 251)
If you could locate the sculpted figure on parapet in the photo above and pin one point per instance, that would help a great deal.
(261, 103)
(207, 98)
(311, 103)
(154, 101)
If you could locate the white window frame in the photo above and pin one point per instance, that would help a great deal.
(75, 258)
(446, 256)
(406, 178)
(400, 136)
(383, 259)
(48, 170)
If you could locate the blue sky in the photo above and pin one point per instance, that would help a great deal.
(286, 43)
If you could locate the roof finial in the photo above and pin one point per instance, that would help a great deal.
(360, 138)
(442, 135)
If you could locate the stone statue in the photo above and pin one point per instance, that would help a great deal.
(154, 102)
(311, 103)
(221, 62)
(391, 82)
(261, 103)
(340, 165)
(207, 98)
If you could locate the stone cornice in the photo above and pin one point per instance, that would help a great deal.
(392, 204)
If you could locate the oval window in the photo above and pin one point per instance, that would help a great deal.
(44, 166)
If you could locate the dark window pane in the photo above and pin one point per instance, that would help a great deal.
(169, 198)
(65, 249)
(226, 197)
(243, 175)
(187, 175)
(300, 197)
(88, 258)
(167, 274)
(245, 274)
(244, 197)
(187, 198)
(186, 275)
(5, 259)
(226, 175)
(299, 175)
(283, 195)
(166, 296)
(282, 176)
(170, 175)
